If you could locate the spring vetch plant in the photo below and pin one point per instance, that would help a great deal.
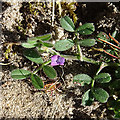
(94, 92)
(85, 29)
(31, 51)
(36, 46)
(41, 44)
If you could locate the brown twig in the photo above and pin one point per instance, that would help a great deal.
(114, 39)
(109, 43)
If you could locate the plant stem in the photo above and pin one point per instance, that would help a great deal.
(80, 53)
(75, 57)
(79, 48)
(39, 68)
(92, 85)
(103, 65)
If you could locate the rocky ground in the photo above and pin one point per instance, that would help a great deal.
(18, 98)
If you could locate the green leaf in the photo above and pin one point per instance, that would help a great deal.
(114, 34)
(28, 45)
(100, 94)
(37, 81)
(20, 74)
(87, 98)
(87, 42)
(82, 79)
(32, 40)
(44, 37)
(49, 71)
(117, 115)
(103, 78)
(33, 55)
(47, 44)
(63, 45)
(67, 24)
(86, 29)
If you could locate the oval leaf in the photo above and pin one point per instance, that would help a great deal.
(28, 45)
(103, 78)
(33, 55)
(47, 44)
(49, 71)
(37, 81)
(86, 29)
(32, 40)
(82, 79)
(44, 37)
(67, 24)
(100, 94)
(20, 74)
(87, 42)
(87, 98)
(63, 45)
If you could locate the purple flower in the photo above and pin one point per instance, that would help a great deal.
(57, 60)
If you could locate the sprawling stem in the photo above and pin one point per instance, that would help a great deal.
(103, 65)
(92, 85)
(75, 57)
(79, 48)
(80, 52)
(39, 68)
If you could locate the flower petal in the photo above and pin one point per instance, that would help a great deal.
(57, 60)
(62, 60)
(54, 58)
(54, 64)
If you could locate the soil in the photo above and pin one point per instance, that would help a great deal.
(19, 99)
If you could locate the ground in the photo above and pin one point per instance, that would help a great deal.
(18, 97)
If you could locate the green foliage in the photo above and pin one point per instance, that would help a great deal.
(46, 44)
(114, 101)
(82, 79)
(37, 41)
(42, 44)
(94, 93)
(103, 78)
(87, 42)
(37, 81)
(20, 74)
(44, 37)
(28, 45)
(33, 55)
(100, 94)
(32, 40)
(49, 71)
(87, 98)
(63, 45)
(67, 24)
(86, 29)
